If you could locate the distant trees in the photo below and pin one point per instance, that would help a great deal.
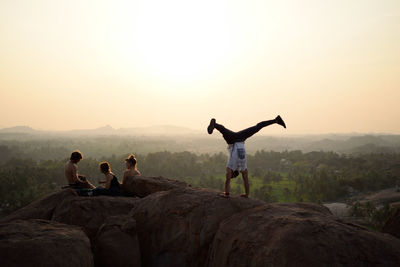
(375, 216)
(22, 181)
(31, 169)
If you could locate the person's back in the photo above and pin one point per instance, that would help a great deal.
(131, 168)
(131, 172)
(70, 170)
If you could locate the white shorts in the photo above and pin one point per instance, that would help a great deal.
(237, 157)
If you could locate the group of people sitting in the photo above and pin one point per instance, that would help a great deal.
(81, 186)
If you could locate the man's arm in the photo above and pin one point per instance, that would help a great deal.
(75, 174)
(108, 181)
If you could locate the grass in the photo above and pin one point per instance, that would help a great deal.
(278, 189)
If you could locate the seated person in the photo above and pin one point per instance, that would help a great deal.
(111, 187)
(71, 172)
(131, 168)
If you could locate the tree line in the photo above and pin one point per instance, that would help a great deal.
(274, 176)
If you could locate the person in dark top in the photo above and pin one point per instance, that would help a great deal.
(111, 184)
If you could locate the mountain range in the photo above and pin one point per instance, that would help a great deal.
(157, 130)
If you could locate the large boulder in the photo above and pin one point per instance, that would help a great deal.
(42, 208)
(392, 226)
(117, 244)
(91, 212)
(142, 186)
(43, 243)
(176, 227)
(299, 235)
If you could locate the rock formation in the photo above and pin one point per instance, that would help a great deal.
(117, 244)
(91, 212)
(43, 243)
(176, 227)
(142, 186)
(298, 235)
(42, 208)
(174, 224)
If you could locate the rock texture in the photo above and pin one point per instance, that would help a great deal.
(299, 235)
(392, 226)
(176, 227)
(142, 186)
(42, 208)
(43, 243)
(117, 244)
(91, 212)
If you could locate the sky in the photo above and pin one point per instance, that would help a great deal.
(324, 66)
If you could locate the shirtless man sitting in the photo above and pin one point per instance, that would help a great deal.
(71, 172)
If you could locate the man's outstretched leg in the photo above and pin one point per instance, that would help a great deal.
(246, 183)
(246, 133)
(227, 134)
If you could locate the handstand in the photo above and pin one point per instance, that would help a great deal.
(237, 152)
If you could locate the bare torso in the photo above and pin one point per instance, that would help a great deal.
(130, 172)
(71, 172)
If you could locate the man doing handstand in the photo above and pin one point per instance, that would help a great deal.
(237, 152)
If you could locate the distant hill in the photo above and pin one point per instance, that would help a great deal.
(18, 129)
(174, 137)
(157, 130)
(357, 144)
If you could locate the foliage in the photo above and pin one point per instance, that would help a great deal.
(375, 217)
(285, 176)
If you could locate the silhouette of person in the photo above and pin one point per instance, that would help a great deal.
(71, 172)
(237, 153)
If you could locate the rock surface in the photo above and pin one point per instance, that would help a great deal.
(43, 243)
(91, 212)
(392, 226)
(42, 208)
(142, 186)
(117, 244)
(176, 227)
(299, 235)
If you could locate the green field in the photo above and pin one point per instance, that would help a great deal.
(280, 191)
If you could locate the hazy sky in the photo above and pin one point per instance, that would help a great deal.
(325, 66)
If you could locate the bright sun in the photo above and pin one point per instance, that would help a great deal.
(177, 39)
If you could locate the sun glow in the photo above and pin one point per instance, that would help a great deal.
(177, 39)
(326, 67)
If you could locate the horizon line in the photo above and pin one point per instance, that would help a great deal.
(195, 131)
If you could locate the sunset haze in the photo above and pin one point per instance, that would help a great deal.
(324, 66)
